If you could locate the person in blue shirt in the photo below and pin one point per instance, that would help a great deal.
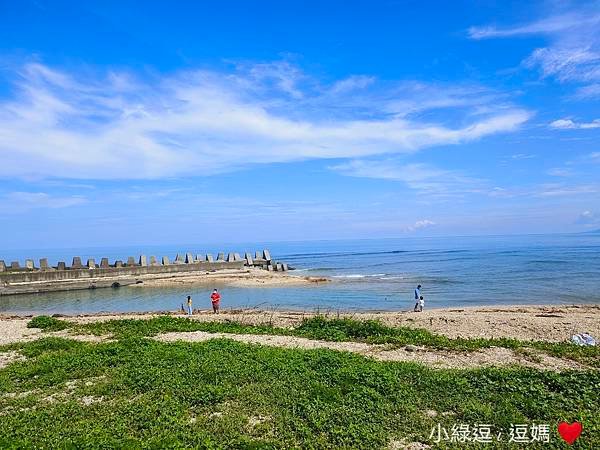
(189, 305)
(417, 297)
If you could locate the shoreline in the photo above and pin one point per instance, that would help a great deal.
(237, 277)
(551, 323)
(247, 277)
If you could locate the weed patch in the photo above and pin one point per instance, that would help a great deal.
(48, 323)
(338, 330)
(223, 394)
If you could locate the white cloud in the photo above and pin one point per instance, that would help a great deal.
(17, 202)
(423, 178)
(285, 76)
(563, 124)
(521, 156)
(549, 25)
(419, 224)
(202, 122)
(589, 91)
(352, 83)
(548, 190)
(563, 190)
(568, 124)
(389, 170)
(573, 52)
(414, 97)
(500, 192)
(560, 172)
(577, 63)
(588, 218)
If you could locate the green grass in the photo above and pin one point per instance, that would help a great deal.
(374, 332)
(224, 394)
(47, 323)
(322, 328)
(142, 328)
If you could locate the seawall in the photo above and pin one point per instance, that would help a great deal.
(15, 279)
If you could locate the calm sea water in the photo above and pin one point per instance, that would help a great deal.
(367, 275)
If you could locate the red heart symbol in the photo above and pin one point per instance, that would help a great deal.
(569, 431)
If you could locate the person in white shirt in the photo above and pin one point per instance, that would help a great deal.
(417, 297)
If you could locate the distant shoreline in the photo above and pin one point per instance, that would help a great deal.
(247, 277)
(238, 277)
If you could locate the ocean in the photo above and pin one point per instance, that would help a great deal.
(370, 274)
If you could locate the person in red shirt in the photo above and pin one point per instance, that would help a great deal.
(215, 298)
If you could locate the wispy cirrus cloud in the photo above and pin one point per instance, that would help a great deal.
(548, 25)
(573, 51)
(547, 190)
(117, 126)
(521, 156)
(565, 190)
(589, 91)
(17, 202)
(424, 178)
(560, 172)
(578, 62)
(352, 83)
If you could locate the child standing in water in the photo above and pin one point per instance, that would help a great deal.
(215, 298)
(189, 305)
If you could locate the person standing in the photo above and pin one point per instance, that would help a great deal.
(215, 298)
(417, 297)
(189, 305)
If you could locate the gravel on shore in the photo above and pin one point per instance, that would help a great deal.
(539, 323)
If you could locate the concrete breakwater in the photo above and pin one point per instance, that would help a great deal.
(17, 279)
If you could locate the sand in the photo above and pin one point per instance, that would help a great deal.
(7, 358)
(247, 277)
(15, 330)
(539, 323)
(440, 359)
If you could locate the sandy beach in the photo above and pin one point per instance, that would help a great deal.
(247, 277)
(539, 323)
(534, 323)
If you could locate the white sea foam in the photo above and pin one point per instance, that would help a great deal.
(349, 276)
(359, 275)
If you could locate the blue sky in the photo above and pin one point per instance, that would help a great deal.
(160, 122)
